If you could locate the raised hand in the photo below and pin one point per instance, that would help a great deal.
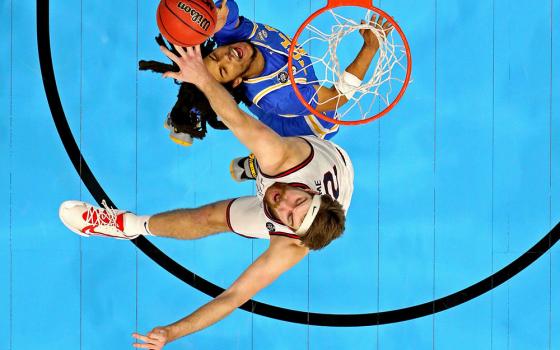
(223, 12)
(155, 340)
(190, 63)
(370, 39)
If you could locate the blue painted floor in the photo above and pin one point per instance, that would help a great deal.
(458, 181)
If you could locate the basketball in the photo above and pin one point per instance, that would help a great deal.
(187, 22)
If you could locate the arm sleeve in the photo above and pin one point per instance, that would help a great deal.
(287, 115)
(233, 32)
(285, 101)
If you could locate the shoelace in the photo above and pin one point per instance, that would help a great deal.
(100, 216)
(105, 216)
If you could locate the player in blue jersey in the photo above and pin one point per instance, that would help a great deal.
(251, 60)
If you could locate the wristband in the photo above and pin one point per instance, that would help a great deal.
(348, 84)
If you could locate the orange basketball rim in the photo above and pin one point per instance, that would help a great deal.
(390, 101)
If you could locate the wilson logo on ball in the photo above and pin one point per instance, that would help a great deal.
(186, 22)
(196, 16)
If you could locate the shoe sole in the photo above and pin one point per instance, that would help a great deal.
(232, 173)
(174, 139)
(180, 142)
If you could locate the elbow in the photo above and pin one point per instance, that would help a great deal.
(340, 98)
(332, 105)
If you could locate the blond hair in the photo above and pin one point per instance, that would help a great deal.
(327, 226)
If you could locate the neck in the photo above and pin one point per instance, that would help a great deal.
(257, 65)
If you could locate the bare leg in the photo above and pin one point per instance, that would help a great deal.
(191, 223)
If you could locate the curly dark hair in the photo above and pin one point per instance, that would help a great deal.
(192, 110)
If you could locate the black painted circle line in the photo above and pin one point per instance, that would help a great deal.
(317, 319)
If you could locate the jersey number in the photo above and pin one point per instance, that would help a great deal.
(330, 182)
(286, 42)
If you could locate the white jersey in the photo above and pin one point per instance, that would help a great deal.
(327, 170)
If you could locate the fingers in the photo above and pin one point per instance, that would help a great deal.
(169, 54)
(224, 5)
(379, 22)
(188, 59)
(180, 50)
(362, 31)
(141, 337)
(191, 51)
(173, 75)
(157, 334)
(376, 20)
(387, 26)
(149, 342)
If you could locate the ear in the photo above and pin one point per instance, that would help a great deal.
(235, 83)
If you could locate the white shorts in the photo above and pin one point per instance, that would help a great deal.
(246, 217)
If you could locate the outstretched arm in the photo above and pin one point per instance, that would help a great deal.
(273, 152)
(282, 254)
(329, 97)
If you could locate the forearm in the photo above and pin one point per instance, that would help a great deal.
(361, 63)
(281, 255)
(267, 145)
(223, 103)
(331, 98)
(205, 316)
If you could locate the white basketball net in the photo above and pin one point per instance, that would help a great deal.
(379, 88)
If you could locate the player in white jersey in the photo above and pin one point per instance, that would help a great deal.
(296, 177)
(327, 170)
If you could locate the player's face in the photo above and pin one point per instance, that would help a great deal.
(288, 204)
(228, 63)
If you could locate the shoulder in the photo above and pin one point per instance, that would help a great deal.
(284, 244)
(295, 151)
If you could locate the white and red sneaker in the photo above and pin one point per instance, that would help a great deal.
(88, 220)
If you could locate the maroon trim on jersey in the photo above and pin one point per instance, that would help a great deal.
(343, 159)
(284, 234)
(245, 236)
(294, 169)
(299, 185)
(229, 222)
(227, 215)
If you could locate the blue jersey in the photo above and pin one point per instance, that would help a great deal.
(274, 100)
